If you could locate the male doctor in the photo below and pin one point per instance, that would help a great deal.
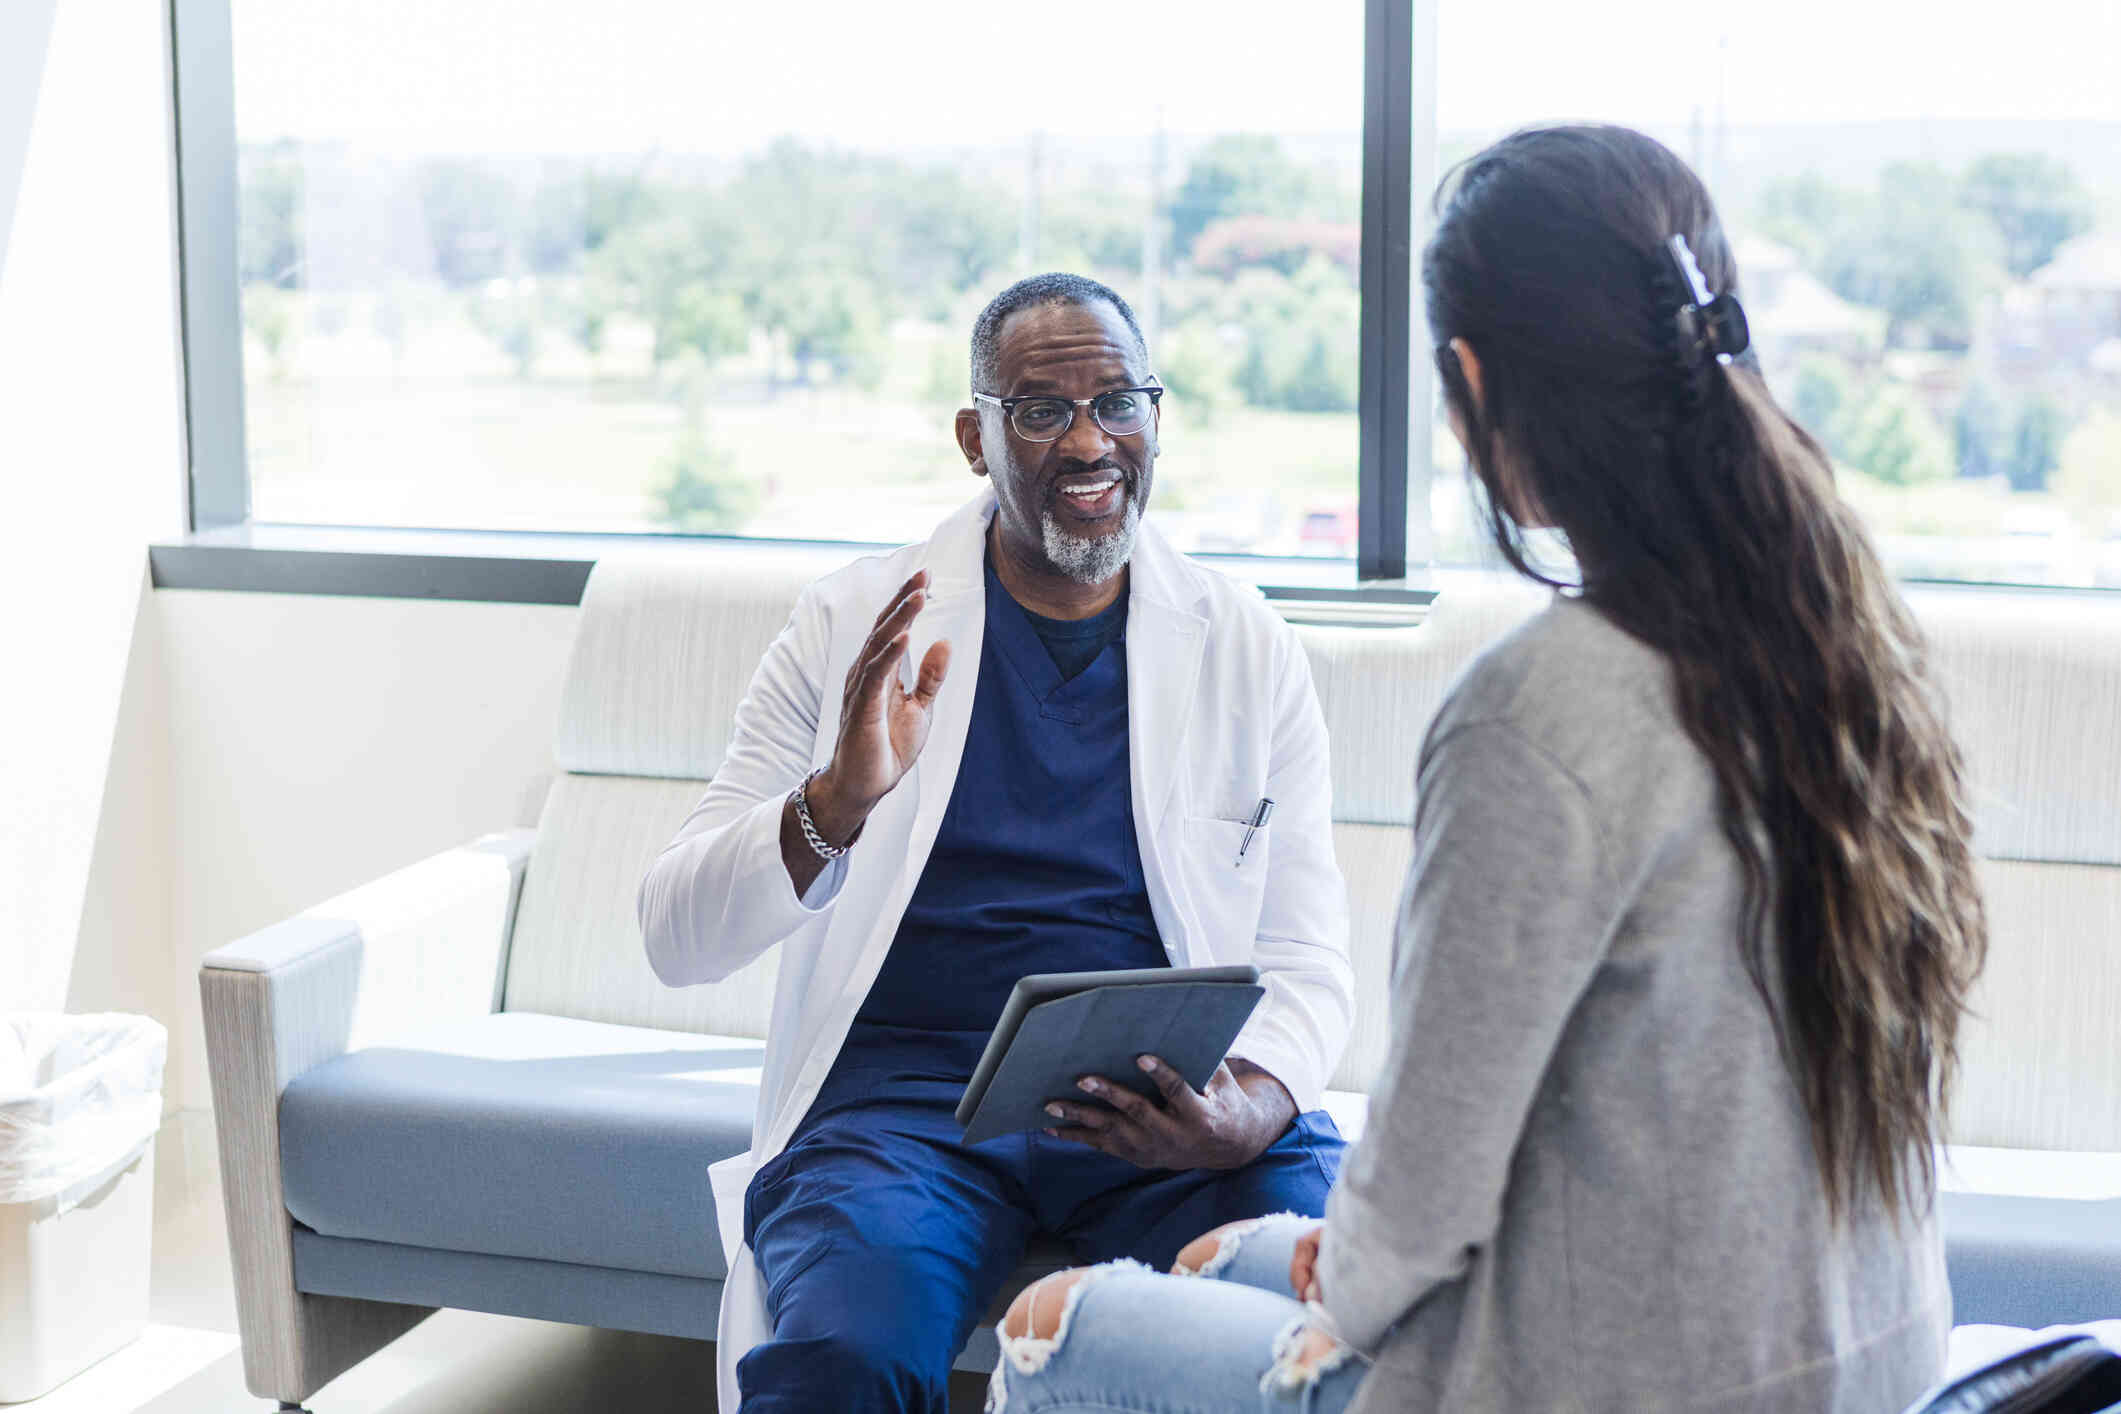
(1063, 783)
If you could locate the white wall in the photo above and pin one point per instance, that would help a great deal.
(121, 956)
(315, 743)
(91, 438)
(181, 768)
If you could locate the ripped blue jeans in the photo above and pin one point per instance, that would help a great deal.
(1227, 1338)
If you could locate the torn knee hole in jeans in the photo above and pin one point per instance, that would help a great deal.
(1028, 1353)
(1305, 1352)
(1228, 1239)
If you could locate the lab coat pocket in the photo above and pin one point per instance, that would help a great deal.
(1227, 889)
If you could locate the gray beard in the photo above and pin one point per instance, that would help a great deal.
(1092, 560)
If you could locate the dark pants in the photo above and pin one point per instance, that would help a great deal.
(882, 1239)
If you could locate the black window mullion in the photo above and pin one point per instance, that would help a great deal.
(1387, 289)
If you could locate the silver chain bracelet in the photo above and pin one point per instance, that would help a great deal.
(801, 797)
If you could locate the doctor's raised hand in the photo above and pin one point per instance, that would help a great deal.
(882, 730)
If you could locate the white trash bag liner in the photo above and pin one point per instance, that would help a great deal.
(80, 1097)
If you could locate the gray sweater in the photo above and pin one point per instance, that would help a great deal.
(1587, 1181)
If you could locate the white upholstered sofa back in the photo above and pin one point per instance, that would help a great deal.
(666, 647)
(2033, 683)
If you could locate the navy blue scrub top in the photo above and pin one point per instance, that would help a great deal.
(1073, 644)
(1036, 867)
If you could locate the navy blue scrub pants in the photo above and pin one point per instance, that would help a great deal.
(882, 1239)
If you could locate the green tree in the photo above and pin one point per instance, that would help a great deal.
(1820, 396)
(2035, 447)
(1893, 437)
(1805, 213)
(2089, 474)
(1199, 367)
(585, 306)
(816, 255)
(577, 207)
(2033, 202)
(1300, 336)
(710, 322)
(674, 272)
(1257, 377)
(946, 234)
(700, 492)
(553, 235)
(269, 317)
(820, 250)
(1323, 380)
(1913, 252)
(1909, 247)
(612, 201)
(1980, 433)
(269, 239)
(945, 383)
(400, 307)
(512, 320)
(1108, 233)
(826, 317)
(1249, 174)
(470, 211)
(1279, 244)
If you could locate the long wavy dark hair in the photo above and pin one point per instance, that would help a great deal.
(1704, 521)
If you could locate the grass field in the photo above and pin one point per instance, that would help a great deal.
(445, 432)
(554, 454)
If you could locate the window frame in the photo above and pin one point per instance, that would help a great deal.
(1394, 572)
(227, 548)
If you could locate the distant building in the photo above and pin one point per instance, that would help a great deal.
(2074, 301)
(1793, 314)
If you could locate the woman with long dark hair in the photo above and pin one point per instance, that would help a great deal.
(1692, 916)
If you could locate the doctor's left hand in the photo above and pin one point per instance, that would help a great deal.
(1226, 1126)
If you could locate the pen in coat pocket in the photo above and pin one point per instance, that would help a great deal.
(1259, 818)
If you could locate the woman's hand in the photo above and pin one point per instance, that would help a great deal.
(1303, 1266)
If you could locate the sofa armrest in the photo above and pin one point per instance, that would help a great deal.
(419, 945)
(431, 941)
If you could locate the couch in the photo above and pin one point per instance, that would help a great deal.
(461, 1085)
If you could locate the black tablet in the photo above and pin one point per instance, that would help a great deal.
(1060, 1026)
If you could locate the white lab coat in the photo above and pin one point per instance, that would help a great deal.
(1221, 712)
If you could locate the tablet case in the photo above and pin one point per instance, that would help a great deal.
(1060, 1026)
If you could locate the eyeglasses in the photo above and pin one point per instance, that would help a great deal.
(1122, 412)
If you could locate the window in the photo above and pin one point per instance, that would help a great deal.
(714, 268)
(1926, 211)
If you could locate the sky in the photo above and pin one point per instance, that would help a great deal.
(558, 76)
(1779, 61)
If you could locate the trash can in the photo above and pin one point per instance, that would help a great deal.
(80, 1101)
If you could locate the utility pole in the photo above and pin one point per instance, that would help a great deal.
(1153, 237)
(1035, 180)
(1720, 149)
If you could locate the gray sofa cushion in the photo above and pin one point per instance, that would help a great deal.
(2031, 1261)
(522, 1135)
